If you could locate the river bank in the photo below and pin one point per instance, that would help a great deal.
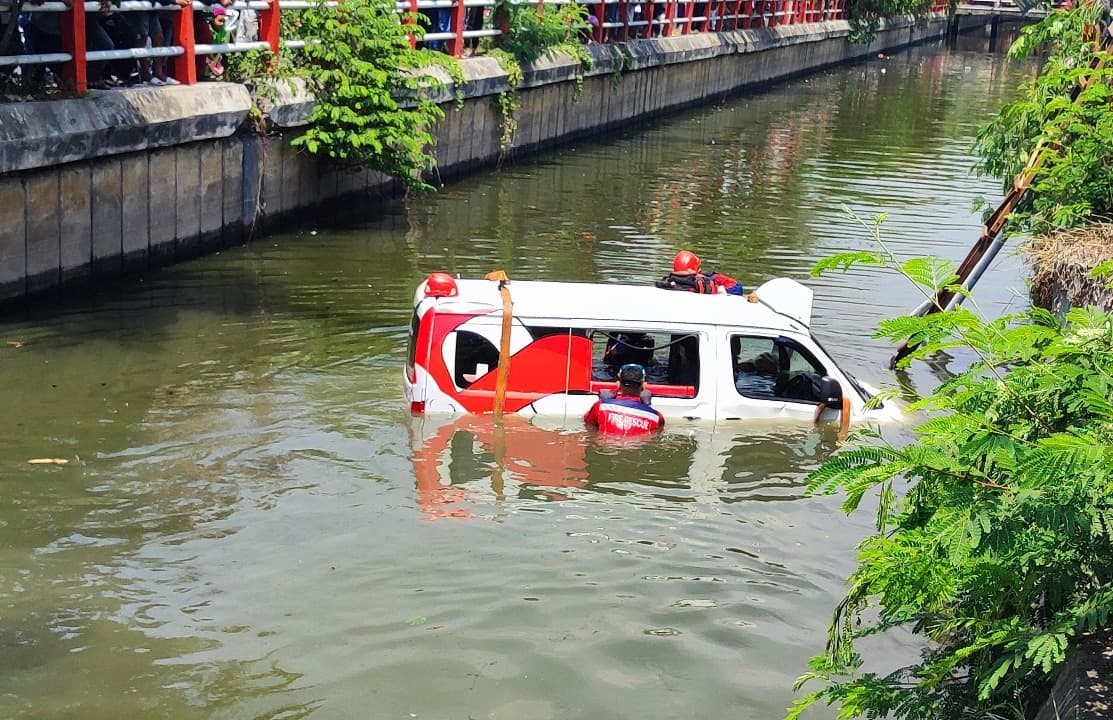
(120, 181)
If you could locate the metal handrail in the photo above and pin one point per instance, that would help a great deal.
(447, 26)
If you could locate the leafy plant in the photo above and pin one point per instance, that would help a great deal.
(1074, 183)
(533, 31)
(372, 106)
(623, 59)
(507, 100)
(994, 528)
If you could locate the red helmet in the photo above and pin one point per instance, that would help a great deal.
(441, 284)
(685, 261)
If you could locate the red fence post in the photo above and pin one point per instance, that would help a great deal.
(73, 42)
(411, 8)
(185, 65)
(270, 27)
(458, 24)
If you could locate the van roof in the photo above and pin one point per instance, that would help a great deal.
(785, 304)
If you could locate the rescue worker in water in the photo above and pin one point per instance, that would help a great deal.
(625, 413)
(686, 275)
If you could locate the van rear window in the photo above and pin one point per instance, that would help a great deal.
(475, 357)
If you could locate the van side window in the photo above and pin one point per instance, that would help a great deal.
(540, 331)
(775, 369)
(669, 359)
(475, 357)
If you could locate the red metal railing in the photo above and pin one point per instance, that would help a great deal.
(452, 25)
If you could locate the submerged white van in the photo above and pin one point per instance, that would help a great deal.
(720, 357)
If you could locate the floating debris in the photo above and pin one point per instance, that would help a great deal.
(662, 632)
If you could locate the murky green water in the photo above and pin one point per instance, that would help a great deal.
(251, 526)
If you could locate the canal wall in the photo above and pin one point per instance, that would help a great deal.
(120, 181)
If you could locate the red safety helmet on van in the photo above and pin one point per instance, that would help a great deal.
(685, 262)
(441, 284)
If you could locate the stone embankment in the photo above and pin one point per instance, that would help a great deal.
(119, 181)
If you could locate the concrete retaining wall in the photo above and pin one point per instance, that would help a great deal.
(96, 187)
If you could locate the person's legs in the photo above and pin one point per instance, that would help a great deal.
(473, 21)
(166, 25)
(120, 34)
(444, 24)
(96, 38)
(247, 30)
(202, 35)
(158, 40)
(139, 24)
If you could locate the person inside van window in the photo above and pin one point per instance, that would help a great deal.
(629, 348)
(756, 376)
(686, 275)
(625, 412)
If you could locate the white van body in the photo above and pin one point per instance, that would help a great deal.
(721, 357)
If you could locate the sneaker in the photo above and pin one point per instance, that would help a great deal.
(170, 81)
(156, 82)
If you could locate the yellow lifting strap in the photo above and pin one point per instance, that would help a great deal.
(503, 373)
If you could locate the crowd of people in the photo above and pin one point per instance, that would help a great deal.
(637, 16)
(111, 28)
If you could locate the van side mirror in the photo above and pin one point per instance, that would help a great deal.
(830, 391)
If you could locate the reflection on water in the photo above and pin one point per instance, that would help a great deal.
(470, 466)
(251, 525)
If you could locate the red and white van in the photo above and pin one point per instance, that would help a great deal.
(720, 357)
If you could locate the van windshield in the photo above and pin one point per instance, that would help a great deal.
(862, 392)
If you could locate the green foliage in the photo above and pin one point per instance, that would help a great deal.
(999, 552)
(534, 32)
(1074, 183)
(507, 101)
(253, 65)
(623, 59)
(372, 105)
(864, 16)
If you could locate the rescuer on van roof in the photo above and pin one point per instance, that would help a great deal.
(686, 275)
(625, 413)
